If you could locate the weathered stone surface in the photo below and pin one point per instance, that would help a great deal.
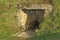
(22, 17)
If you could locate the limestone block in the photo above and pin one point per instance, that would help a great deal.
(22, 17)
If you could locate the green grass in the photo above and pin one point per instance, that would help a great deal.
(50, 27)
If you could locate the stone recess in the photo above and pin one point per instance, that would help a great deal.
(30, 14)
(29, 17)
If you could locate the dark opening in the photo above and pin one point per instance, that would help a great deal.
(33, 26)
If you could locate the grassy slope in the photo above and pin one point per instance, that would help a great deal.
(50, 28)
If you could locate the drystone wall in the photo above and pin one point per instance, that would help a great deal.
(29, 18)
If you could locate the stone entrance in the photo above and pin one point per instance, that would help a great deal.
(29, 17)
